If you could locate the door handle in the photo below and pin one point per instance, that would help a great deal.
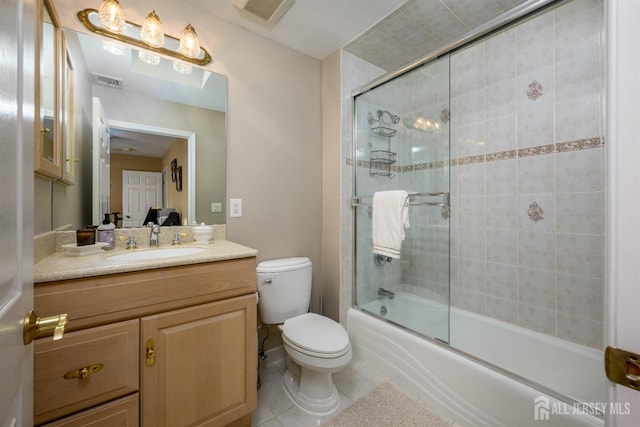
(622, 367)
(33, 325)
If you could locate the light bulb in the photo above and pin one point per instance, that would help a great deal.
(151, 30)
(189, 44)
(110, 15)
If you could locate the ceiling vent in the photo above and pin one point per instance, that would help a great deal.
(266, 12)
(100, 79)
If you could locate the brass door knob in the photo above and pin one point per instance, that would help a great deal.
(33, 325)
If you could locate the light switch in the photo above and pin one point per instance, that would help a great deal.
(216, 207)
(235, 208)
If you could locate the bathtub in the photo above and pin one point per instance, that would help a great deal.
(473, 392)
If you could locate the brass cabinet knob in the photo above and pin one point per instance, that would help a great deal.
(33, 325)
(150, 354)
(45, 130)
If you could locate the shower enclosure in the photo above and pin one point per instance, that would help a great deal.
(402, 136)
(500, 143)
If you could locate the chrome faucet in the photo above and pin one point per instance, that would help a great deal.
(153, 237)
(385, 293)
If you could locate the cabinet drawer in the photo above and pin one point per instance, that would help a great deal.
(109, 352)
(122, 413)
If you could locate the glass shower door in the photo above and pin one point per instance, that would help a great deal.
(401, 131)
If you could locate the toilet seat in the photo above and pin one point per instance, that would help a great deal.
(316, 336)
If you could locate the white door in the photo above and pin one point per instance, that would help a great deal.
(16, 208)
(101, 147)
(140, 191)
(624, 198)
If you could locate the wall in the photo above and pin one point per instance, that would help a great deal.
(120, 162)
(331, 178)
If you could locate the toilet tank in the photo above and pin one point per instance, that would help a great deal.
(285, 289)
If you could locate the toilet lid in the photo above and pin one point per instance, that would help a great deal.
(315, 333)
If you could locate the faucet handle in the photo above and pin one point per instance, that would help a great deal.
(176, 238)
(131, 244)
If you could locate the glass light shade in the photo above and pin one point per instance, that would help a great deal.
(189, 44)
(110, 15)
(151, 31)
(148, 57)
(182, 67)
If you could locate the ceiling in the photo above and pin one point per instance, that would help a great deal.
(314, 27)
(387, 33)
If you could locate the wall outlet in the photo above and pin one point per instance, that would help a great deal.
(216, 207)
(235, 208)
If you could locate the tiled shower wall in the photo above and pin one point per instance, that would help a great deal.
(528, 188)
(527, 177)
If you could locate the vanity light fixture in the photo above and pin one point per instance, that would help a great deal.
(149, 36)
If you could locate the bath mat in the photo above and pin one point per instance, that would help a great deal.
(385, 406)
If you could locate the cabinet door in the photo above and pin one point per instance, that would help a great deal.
(198, 365)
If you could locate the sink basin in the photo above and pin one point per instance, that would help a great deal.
(154, 254)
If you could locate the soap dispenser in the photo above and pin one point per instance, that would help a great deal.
(107, 233)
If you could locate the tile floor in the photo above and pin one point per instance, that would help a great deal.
(275, 409)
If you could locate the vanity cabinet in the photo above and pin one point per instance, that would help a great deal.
(171, 347)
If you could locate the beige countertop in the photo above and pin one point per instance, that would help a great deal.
(60, 266)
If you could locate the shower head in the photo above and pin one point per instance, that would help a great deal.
(394, 118)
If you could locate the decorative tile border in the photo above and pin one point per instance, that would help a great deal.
(561, 147)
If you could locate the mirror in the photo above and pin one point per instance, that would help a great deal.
(136, 113)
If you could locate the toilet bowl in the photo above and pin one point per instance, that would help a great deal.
(316, 346)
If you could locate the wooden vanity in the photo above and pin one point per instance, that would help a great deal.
(171, 346)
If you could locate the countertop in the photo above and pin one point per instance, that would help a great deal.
(59, 266)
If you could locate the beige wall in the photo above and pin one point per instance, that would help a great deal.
(331, 184)
(274, 132)
(120, 162)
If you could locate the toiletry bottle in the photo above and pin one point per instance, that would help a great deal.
(107, 233)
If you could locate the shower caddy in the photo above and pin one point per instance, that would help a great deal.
(381, 161)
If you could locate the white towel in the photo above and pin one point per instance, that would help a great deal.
(390, 218)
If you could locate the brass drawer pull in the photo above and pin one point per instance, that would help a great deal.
(83, 373)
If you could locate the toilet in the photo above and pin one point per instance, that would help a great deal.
(316, 346)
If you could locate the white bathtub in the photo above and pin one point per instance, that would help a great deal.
(466, 390)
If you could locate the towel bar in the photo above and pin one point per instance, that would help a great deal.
(357, 200)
